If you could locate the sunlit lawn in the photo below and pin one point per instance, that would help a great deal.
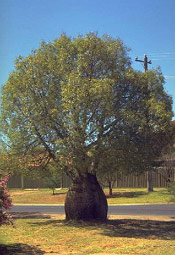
(44, 234)
(120, 196)
(135, 196)
(41, 196)
(51, 234)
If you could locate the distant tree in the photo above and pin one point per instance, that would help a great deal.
(152, 134)
(166, 162)
(144, 133)
(109, 179)
(70, 100)
(109, 165)
(52, 176)
(171, 189)
(53, 182)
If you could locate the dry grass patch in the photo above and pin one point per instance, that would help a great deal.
(41, 196)
(120, 196)
(51, 234)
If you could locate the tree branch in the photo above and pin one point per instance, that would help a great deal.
(51, 154)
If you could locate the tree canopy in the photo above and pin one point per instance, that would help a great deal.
(74, 99)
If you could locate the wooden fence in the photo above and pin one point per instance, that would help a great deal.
(24, 182)
(126, 181)
(140, 181)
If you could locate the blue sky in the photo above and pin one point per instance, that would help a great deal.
(147, 27)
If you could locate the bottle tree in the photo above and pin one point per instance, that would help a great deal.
(71, 100)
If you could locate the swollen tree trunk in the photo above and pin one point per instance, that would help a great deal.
(86, 200)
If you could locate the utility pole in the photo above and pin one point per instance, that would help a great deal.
(145, 61)
(149, 173)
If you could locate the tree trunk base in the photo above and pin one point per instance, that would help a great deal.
(86, 200)
(149, 181)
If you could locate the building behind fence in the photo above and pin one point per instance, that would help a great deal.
(125, 181)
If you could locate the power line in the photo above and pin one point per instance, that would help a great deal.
(145, 63)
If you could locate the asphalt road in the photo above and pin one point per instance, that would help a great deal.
(153, 209)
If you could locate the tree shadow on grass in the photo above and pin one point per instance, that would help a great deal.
(126, 194)
(19, 249)
(147, 229)
(30, 216)
(60, 193)
(129, 228)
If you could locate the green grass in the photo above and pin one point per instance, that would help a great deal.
(120, 196)
(50, 234)
(44, 234)
(136, 196)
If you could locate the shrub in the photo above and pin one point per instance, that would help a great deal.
(5, 201)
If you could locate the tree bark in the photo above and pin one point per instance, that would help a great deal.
(149, 181)
(110, 188)
(86, 200)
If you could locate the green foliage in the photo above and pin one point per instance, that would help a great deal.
(166, 161)
(171, 190)
(76, 101)
(53, 175)
(53, 182)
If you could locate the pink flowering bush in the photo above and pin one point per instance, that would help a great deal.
(5, 201)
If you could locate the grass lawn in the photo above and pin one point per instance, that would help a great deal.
(52, 235)
(120, 196)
